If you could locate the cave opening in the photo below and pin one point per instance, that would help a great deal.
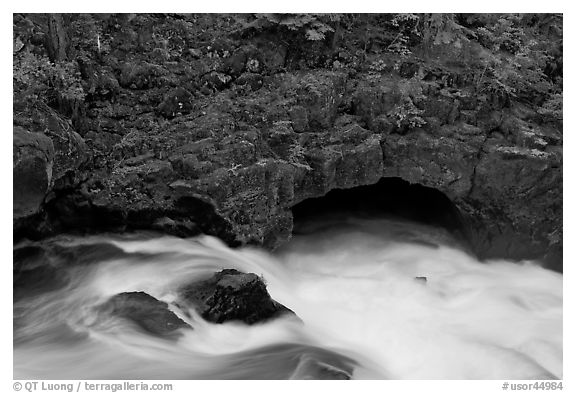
(391, 198)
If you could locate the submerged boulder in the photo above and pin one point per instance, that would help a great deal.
(231, 295)
(147, 312)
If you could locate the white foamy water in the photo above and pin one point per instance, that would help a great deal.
(353, 287)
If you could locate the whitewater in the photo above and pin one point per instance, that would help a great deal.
(382, 298)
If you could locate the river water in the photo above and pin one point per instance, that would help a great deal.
(353, 285)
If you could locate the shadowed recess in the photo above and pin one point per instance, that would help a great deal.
(391, 197)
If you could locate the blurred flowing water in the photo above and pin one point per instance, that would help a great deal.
(352, 283)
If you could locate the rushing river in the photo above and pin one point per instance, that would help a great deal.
(353, 285)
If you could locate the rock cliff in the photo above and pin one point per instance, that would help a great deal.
(225, 137)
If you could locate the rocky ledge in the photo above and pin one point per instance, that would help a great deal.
(226, 140)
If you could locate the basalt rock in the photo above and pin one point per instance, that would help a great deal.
(148, 313)
(230, 295)
(498, 186)
(47, 155)
(32, 170)
(70, 149)
(235, 160)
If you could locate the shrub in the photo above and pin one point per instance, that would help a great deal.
(552, 108)
(312, 27)
(407, 116)
(36, 78)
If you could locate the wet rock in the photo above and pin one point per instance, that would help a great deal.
(230, 295)
(32, 170)
(148, 313)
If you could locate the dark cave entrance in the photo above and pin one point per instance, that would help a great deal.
(391, 197)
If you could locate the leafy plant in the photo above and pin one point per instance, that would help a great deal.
(502, 35)
(441, 30)
(520, 76)
(314, 27)
(407, 116)
(407, 26)
(35, 77)
(553, 107)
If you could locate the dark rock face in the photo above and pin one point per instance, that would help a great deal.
(48, 155)
(200, 175)
(70, 149)
(510, 194)
(230, 295)
(32, 170)
(517, 182)
(226, 138)
(148, 313)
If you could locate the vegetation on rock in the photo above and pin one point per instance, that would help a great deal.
(249, 114)
(499, 56)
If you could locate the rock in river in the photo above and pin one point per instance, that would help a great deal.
(231, 295)
(147, 312)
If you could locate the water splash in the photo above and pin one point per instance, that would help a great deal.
(353, 286)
